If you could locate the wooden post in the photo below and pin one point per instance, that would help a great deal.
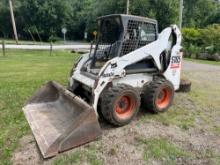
(51, 48)
(13, 20)
(3, 47)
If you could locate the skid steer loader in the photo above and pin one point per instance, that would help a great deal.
(131, 65)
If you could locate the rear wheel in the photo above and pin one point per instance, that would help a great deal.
(120, 104)
(158, 95)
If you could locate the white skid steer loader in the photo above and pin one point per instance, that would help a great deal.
(131, 65)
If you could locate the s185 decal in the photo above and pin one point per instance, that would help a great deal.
(175, 61)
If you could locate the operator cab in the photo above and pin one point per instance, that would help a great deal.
(120, 34)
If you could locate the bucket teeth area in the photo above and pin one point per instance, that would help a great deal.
(60, 120)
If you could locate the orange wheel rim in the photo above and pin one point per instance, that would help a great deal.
(163, 99)
(125, 106)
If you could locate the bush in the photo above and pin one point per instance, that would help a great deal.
(211, 38)
(54, 39)
(192, 51)
(202, 41)
(191, 36)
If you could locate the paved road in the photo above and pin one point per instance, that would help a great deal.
(206, 75)
(193, 66)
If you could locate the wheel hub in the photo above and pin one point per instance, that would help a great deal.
(123, 105)
(163, 98)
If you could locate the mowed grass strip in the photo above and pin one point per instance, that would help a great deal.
(163, 150)
(21, 74)
(203, 61)
(86, 156)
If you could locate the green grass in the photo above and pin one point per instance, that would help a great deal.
(216, 130)
(73, 158)
(214, 158)
(87, 155)
(203, 61)
(198, 105)
(26, 42)
(175, 116)
(21, 73)
(11, 41)
(161, 149)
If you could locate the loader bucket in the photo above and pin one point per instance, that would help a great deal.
(60, 120)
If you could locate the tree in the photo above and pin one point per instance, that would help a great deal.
(198, 12)
(48, 17)
(5, 24)
(167, 12)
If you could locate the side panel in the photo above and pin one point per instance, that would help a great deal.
(77, 74)
(135, 80)
(174, 69)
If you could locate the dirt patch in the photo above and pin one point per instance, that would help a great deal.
(120, 145)
(27, 152)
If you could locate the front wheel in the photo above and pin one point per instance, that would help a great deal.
(120, 104)
(158, 95)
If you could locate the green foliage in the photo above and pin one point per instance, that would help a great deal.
(202, 40)
(5, 26)
(211, 37)
(191, 35)
(54, 39)
(197, 13)
(156, 9)
(47, 17)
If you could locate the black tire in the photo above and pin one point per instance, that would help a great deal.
(185, 86)
(120, 104)
(151, 98)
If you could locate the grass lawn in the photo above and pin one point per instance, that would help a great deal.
(162, 149)
(11, 41)
(26, 42)
(203, 61)
(21, 73)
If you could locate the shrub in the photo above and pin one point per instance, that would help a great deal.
(54, 39)
(211, 38)
(191, 36)
(197, 41)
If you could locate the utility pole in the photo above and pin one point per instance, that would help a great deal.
(128, 6)
(13, 20)
(181, 14)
